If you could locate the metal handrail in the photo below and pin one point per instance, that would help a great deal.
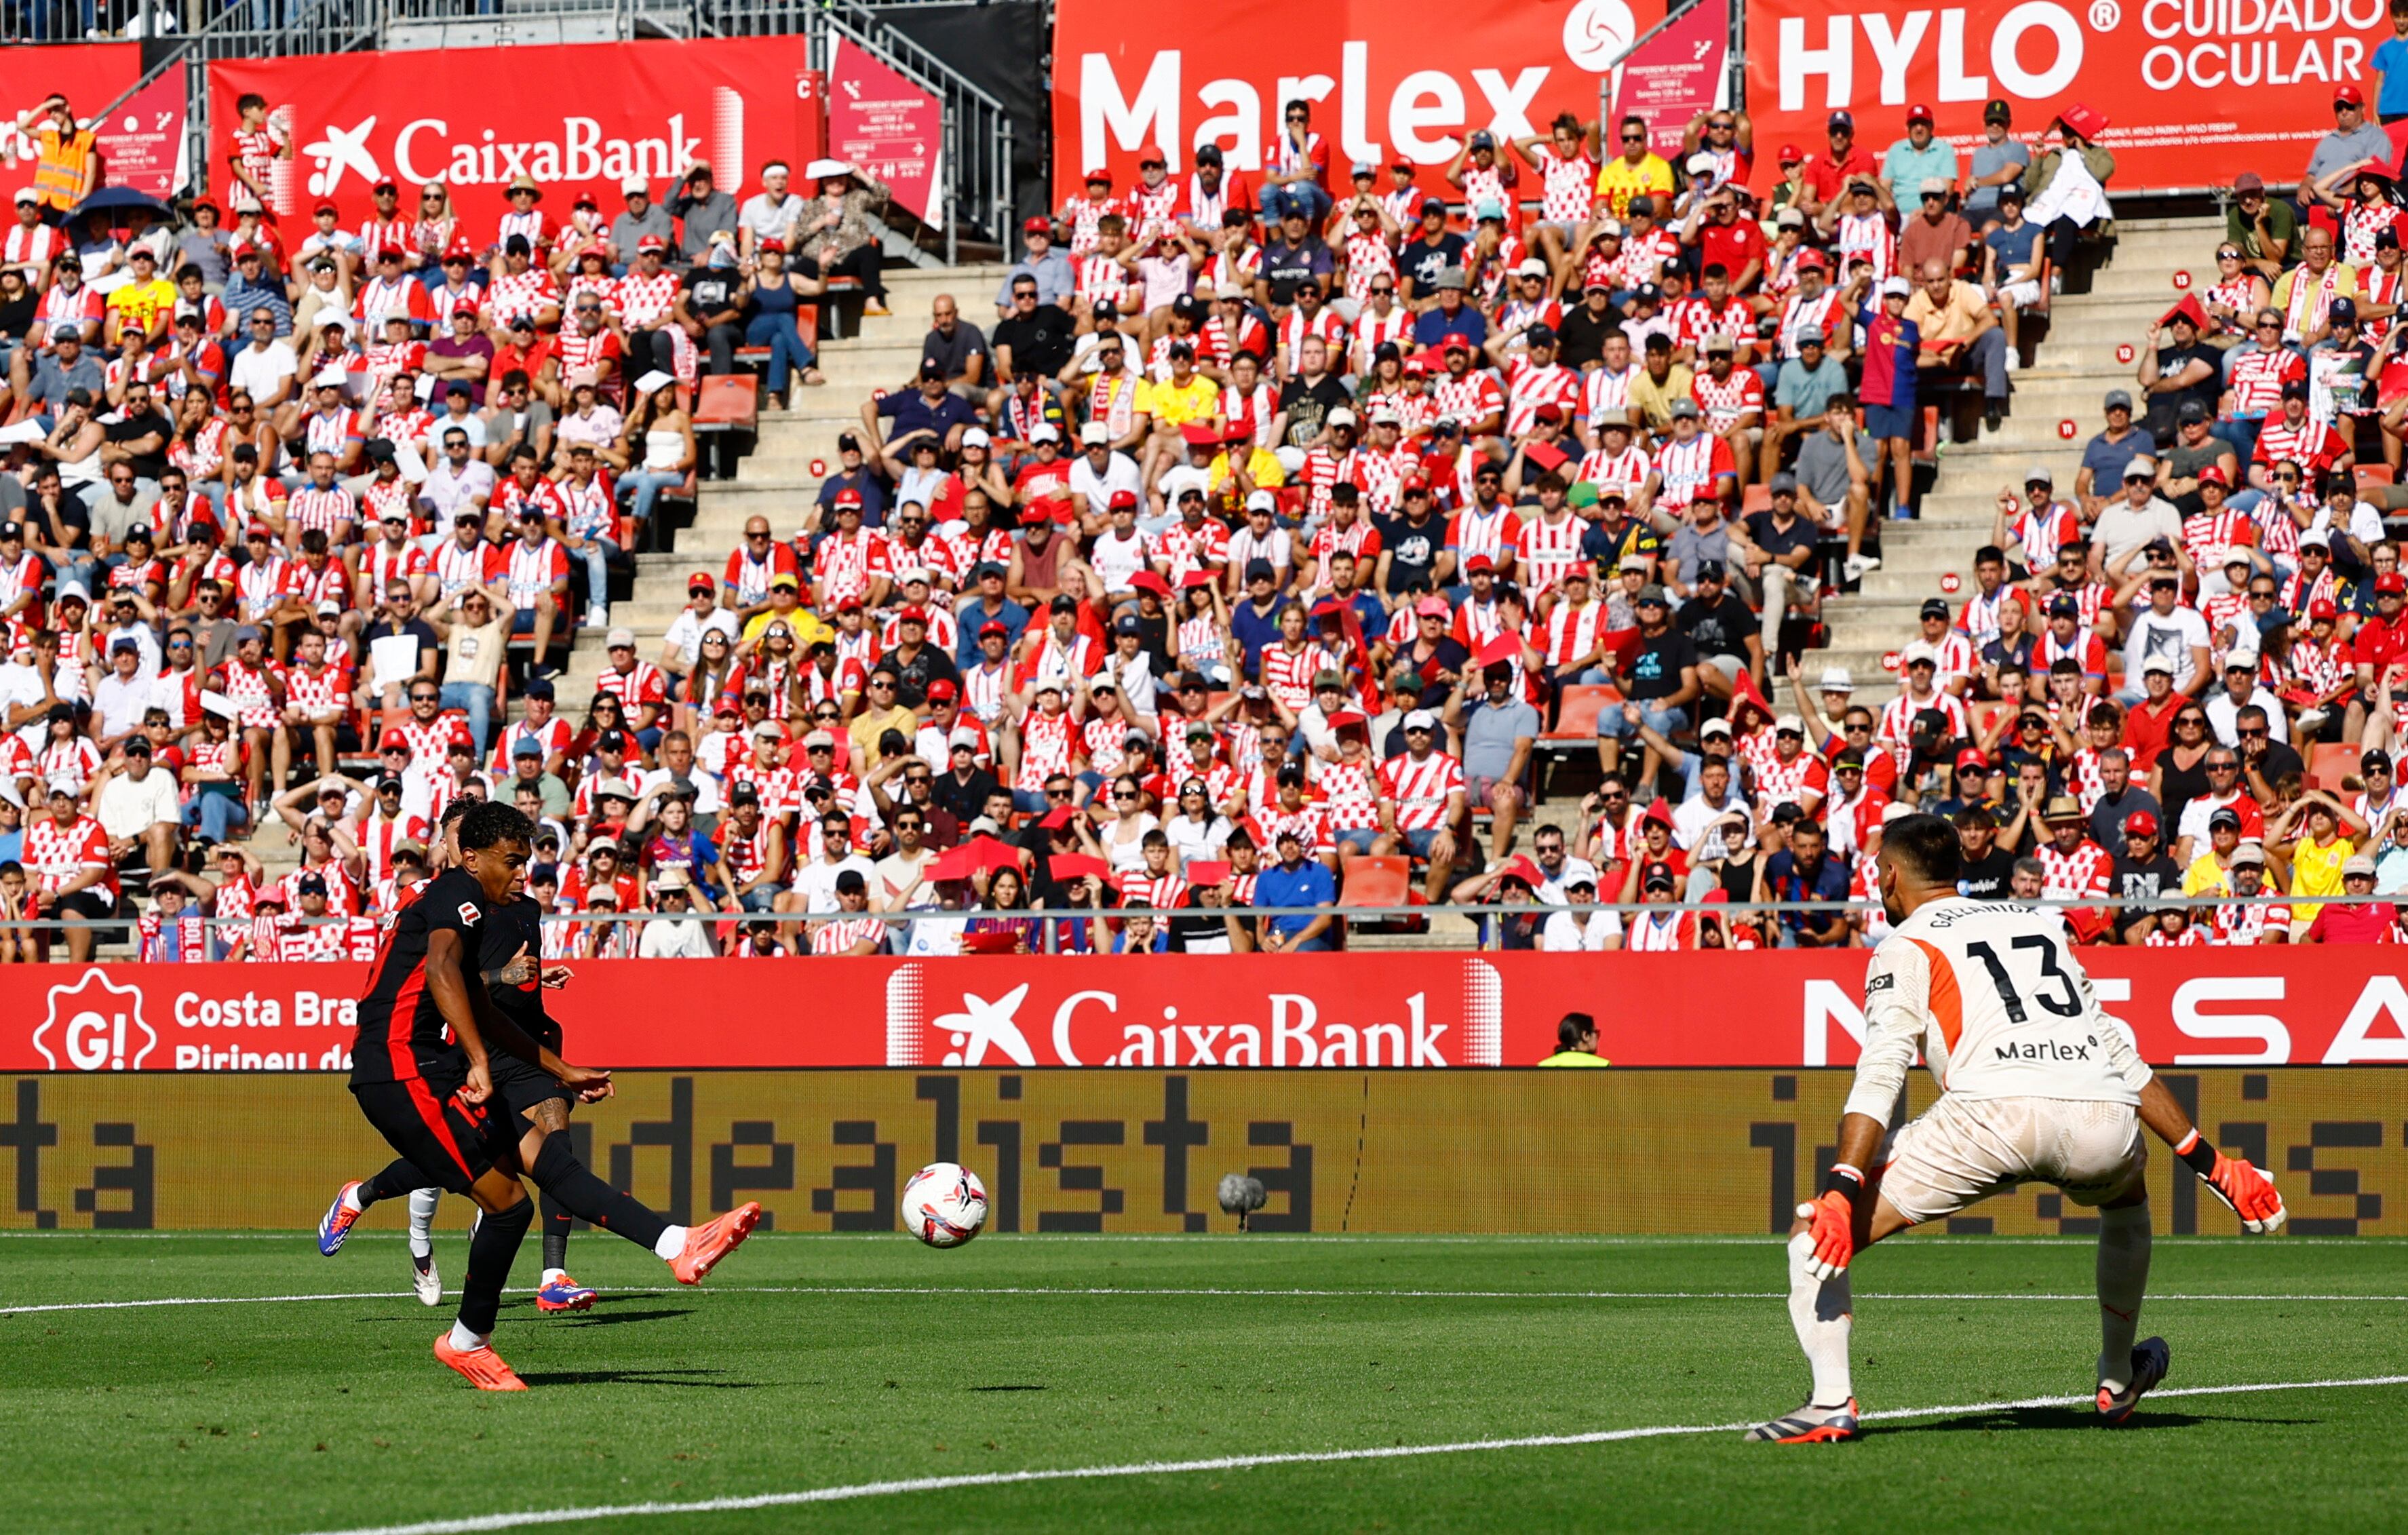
(976, 193)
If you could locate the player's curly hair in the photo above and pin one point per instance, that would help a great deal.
(489, 822)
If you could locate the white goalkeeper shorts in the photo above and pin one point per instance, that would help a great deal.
(1961, 1151)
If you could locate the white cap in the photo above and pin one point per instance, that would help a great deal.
(1789, 721)
(1095, 431)
(1921, 650)
(913, 573)
(1421, 718)
(1044, 430)
(1702, 164)
(1898, 285)
(1230, 290)
(2237, 555)
(2318, 537)
(1836, 680)
(819, 170)
(1715, 726)
(1534, 266)
(328, 605)
(329, 316)
(653, 382)
(2158, 662)
(963, 736)
(1340, 417)
(27, 195)
(634, 183)
(1384, 415)
(2240, 655)
(618, 637)
(975, 437)
(66, 589)
(1265, 500)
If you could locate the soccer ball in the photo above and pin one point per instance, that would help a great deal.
(944, 1204)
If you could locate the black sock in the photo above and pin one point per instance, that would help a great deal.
(397, 1179)
(556, 1232)
(560, 1174)
(491, 1252)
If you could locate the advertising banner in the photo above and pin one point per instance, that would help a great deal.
(2264, 1006)
(141, 142)
(576, 117)
(2194, 91)
(888, 126)
(1140, 1152)
(1675, 75)
(1387, 79)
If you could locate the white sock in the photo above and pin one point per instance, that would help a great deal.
(551, 1274)
(2123, 1278)
(465, 1340)
(422, 1220)
(1819, 1309)
(672, 1243)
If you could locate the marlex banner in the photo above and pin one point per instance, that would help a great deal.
(2194, 91)
(1415, 1012)
(1388, 79)
(576, 117)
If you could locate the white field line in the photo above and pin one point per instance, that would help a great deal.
(1139, 1292)
(479, 1523)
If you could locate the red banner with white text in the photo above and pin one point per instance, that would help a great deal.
(579, 117)
(140, 142)
(2194, 92)
(1395, 78)
(881, 122)
(2197, 1007)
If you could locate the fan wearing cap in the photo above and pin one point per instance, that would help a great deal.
(2361, 921)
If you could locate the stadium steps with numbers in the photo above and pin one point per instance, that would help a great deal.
(2074, 367)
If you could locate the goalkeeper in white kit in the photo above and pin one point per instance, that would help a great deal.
(2037, 1086)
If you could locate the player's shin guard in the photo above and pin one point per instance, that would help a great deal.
(555, 1233)
(2122, 1278)
(398, 1178)
(491, 1252)
(559, 1174)
(1819, 1309)
(422, 1220)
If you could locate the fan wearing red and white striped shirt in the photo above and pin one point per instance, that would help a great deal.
(1549, 545)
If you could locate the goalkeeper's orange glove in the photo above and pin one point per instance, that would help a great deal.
(2245, 1191)
(1831, 1221)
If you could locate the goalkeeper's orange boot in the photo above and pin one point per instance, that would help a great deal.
(484, 1367)
(1810, 1425)
(2151, 1359)
(705, 1245)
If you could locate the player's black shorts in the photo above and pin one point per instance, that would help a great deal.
(453, 1142)
(522, 1084)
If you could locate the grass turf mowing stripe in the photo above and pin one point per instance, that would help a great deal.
(478, 1525)
(1143, 1292)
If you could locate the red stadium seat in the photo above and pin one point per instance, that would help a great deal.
(2328, 762)
(729, 402)
(1377, 881)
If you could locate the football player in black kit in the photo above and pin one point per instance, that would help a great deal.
(432, 1099)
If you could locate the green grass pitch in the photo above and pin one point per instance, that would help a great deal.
(824, 1362)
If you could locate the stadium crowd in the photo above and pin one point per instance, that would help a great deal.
(1255, 551)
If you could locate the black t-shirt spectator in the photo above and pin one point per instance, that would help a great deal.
(1719, 629)
(1775, 543)
(149, 465)
(17, 315)
(953, 353)
(1580, 339)
(2172, 360)
(1998, 652)
(965, 800)
(1437, 670)
(1039, 340)
(1988, 878)
(912, 678)
(2183, 462)
(1412, 548)
(1286, 266)
(1309, 405)
(2136, 880)
(712, 290)
(1423, 259)
(2277, 760)
(1655, 671)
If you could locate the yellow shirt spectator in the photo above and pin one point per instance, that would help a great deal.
(2206, 877)
(137, 306)
(1621, 180)
(1261, 466)
(2316, 869)
(1175, 405)
(1655, 400)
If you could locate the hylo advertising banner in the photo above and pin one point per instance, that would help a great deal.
(2194, 92)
